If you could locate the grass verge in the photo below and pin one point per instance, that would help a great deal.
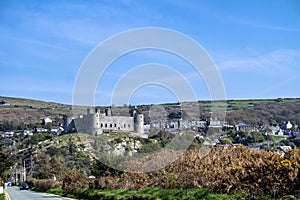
(2, 197)
(145, 194)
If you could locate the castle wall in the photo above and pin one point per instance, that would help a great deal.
(115, 123)
(86, 124)
(96, 123)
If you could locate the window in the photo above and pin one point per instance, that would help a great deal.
(110, 125)
(105, 125)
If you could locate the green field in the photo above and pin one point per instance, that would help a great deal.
(278, 137)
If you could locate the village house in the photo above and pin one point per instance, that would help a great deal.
(286, 125)
(41, 130)
(9, 134)
(276, 130)
(47, 120)
(27, 132)
(241, 127)
(56, 130)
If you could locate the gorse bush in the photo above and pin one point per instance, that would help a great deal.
(239, 169)
(74, 180)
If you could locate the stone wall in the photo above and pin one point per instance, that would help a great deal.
(115, 123)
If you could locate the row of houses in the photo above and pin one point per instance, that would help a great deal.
(285, 128)
(175, 125)
(187, 124)
(54, 130)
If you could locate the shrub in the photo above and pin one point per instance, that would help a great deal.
(46, 184)
(254, 173)
(74, 180)
(57, 191)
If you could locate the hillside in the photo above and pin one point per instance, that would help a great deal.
(224, 170)
(18, 113)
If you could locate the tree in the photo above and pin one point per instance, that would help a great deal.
(5, 163)
(273, 122)
(255, 137)
(46, 167)
(174, 115)
(227, 141)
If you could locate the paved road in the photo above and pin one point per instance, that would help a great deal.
(16, 194)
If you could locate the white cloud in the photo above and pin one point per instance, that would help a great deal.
(283, 59)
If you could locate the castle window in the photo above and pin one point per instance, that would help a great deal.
(115, 125)
(128, 125)
(124, 125)
(101, 125)
(105, 125)
(110, 125)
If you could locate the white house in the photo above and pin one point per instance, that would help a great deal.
(47, 120)
(289, 125)
(241, 127)
(39, 130)
(9, 134)
(276, 130)
(27, 132)
(57, 130)
(285, 148)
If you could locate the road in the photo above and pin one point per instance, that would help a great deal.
(16, 194)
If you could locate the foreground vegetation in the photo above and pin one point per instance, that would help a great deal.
(236, 171)
(147, 193)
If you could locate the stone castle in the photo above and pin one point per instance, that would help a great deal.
(96, 123)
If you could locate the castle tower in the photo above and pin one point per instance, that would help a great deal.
(108, 112)
(138, 122)
(67, 122)
(89, 111)
(92, 123)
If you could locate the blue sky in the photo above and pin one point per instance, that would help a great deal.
(254, 44)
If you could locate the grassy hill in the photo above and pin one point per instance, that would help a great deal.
(19, 113)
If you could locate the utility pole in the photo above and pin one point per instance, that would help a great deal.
(16, 176)
(31, 166)
(24, 171)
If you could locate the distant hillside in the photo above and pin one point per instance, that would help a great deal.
(256, 112)
(19, 112)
